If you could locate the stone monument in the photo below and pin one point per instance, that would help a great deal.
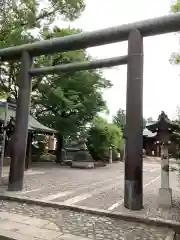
(82, 158)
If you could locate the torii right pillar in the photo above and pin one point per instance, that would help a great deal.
(133, 195)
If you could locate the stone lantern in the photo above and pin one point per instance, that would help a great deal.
(164, 129)
(82, 158)
(110, 154)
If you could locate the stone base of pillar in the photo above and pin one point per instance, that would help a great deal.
(15, 186)
(165, 197)
(132, 199)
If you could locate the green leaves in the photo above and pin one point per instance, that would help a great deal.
(67, 101)
(102, 135)
(175, 6)
(74, 98)
(120, 118)
(69, 9)
(175, 57)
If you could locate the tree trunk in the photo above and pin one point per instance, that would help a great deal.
(59, 148)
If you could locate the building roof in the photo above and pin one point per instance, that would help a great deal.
(163, 123)
(34, 125)
(148, 133)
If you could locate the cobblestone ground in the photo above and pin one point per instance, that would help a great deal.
(101, 188)
(87, 225)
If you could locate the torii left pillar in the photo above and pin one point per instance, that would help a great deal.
(133, 195)
(19, 139)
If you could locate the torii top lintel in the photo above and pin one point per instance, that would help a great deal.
(149, 27)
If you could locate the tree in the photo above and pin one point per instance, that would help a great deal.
(175, 7)
(175, 57)
(68, 101)
(65, 102)
(120, 118)
(177, 120)
(25, 22)
(101, 136)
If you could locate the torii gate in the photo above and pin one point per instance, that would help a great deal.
(134, 33)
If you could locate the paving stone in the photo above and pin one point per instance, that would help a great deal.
(15, 236)
(71, 237)
(82, 224)
(10, 225)
(13, 217)
(51, 226)
(37, 222)
(45, 234)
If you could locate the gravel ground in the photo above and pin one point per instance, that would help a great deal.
(87, 225)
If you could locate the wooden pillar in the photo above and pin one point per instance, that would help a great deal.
(29, 151)
(133, 196)
(19, 140)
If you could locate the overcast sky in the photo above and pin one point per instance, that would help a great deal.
(161, 79)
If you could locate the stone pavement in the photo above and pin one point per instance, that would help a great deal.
(22, 221)
(19, 227)
(101, 188)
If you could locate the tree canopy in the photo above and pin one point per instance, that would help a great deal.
(103, 135)
(175, 7)
(120, 119)
(175, 57)
(67, 101)
(29, 21)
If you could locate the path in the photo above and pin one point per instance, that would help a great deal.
(101, 188)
